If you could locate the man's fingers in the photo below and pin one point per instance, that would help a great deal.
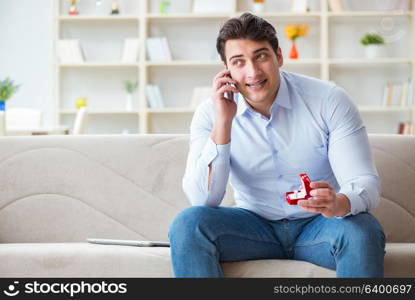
(227, 88)
(221, 81)
(315, 203)
(319, 184)
(314, 210)
(221, 74)
(321, 192)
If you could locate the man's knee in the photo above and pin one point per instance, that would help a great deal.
(189, 219)
(363, 229)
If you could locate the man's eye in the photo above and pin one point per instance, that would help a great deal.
(237, 62)
(262, 56)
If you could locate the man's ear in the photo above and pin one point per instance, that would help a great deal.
(279, 57)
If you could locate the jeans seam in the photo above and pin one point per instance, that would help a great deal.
(235, 235)
(312, 244)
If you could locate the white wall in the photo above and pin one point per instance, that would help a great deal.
(26, 53)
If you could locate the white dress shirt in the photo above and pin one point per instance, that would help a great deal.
(314, 128)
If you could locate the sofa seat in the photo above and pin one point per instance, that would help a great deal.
(91, 260)
(83, 260)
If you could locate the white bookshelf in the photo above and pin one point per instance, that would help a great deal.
(331, 52)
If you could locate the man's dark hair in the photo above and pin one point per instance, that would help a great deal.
(247, 26)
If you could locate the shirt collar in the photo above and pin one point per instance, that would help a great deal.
(282, 99)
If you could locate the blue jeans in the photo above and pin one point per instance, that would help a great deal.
(202, 237)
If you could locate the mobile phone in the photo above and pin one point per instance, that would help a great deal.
(230, 95)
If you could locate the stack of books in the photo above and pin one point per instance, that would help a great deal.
(158, 49)
(69, 51)
(398, 94)
(406, 128)
(130, 50)
(153, 95)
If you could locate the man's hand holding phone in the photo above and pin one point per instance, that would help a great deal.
(225, 109)
(224, 88)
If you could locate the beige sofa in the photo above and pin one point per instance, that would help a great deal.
(56, 191)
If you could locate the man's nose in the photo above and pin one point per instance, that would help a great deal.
(253, 70)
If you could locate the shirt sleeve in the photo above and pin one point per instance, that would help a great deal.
(350, 153)
(202, 153)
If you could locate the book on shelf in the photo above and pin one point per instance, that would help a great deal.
(154, 97)
(411, 93)
(69, 51)
(299, 6)
(336, 6)
(130, 50)
(212, 6)
(200, 94)
(398, 94)
(158, 49)
(406, 128)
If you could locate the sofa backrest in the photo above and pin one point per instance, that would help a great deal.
(395, 160)
(69, 188)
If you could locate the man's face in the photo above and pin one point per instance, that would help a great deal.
(255, 66)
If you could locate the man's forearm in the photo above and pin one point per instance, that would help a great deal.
(220, 135)
(221, 132)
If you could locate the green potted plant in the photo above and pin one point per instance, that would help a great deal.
(7, 90)
(130, 87)
(374, 45)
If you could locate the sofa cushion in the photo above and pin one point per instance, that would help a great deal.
(91, 260)
(400, 260)
(83, 260)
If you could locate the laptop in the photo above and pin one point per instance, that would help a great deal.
(128, 242)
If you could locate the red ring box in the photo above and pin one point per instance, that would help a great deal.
(302, 194)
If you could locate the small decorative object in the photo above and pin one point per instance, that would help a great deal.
(302, 194)
(258, 6)
(165, 7)
(7, 90)
(114, 8)
(293, 32)
(374, 45)
(130, 86)
(81, 102)
(73, 9)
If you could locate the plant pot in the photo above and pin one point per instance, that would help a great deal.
(258, 7)
(374, 51)
(129, 102)
(2, 118)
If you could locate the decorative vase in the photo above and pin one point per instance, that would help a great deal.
(258, 7)
(2, 118)
(374, 51)
(293, 51)
(129, 102)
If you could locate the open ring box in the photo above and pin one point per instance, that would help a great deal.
(302, 194)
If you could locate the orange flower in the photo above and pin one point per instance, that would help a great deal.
(294, 31)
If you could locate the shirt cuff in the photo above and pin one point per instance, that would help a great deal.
(356, 201)
(218, 153)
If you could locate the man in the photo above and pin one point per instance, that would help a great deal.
(281, 124)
